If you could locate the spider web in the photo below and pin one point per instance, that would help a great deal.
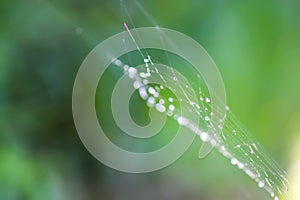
(228, 135)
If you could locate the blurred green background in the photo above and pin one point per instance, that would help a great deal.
(256, 46)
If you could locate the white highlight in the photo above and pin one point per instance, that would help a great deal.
(132, 72)
(137, 84)
(234, 161)
(204, 137)
(160, 108)
(143, 93)
(151, 101)
(261, 184)
(182, 121)
(151, 90)
(171, 107)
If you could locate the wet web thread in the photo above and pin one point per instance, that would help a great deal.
(228, 135)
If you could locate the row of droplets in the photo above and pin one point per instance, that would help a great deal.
(151, 94)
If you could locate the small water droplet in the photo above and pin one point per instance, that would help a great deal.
(182, 121)
(234, 161)
(170, 99)
(261, 184)
(161, 101)
(151, 101)
(204, 137)
(151, 90)
(160, 107)
(171, 107)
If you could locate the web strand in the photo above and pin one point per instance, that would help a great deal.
(229, 137)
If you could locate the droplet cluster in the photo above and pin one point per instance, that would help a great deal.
(227, 135)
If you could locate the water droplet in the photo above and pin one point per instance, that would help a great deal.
(144, 75)
(137, 84)
(241, 165)
(132, 72)
(126, 67)
(143, 93)
(161, 101)
(151, 101)
(261, 184)
(160, 107)
(234, 161)
(182, 121)
(171, 107)
(213, 142)
(204, 137)
(169, 113)
(151, 90)
(118, 62)
(145, 82)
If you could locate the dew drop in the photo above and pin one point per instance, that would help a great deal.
(169, 113)
(160, 108)
(171, 107)
(234, 161)
(213, 142)
(151, 101)
(143, 93)
(132, 72)
(118, 62)
(261, 184)
(151, 90)
(182, 121)
(126, 67)
(145, 82)
(204, 137)
(241, 165)
(161, 101)
(137, 84)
